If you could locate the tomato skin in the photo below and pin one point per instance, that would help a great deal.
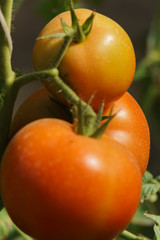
(103, 65)
(38, 105)
(59, 185)
(130, 128)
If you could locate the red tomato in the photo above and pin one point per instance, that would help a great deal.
(103, 64)
(130, 128)
(59, 185)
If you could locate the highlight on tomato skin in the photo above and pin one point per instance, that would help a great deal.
(103, 64)
(130, 128)
(59, 185)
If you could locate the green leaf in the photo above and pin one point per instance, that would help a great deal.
(66, 27)
(87, 25)
(99, 116)
(56, 35)
(99, 132)
(158, 178)
(156, 227)
(140, 219)
(149, 190)
(73, 15)
(150, 187)
(131, 236)
(157, 232)
(147, 178)
(156, 218)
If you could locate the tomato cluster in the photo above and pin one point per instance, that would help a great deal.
(57, 184)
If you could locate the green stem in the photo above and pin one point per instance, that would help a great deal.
(6, 73)
(34, 76)
(130, 236)
(69, 95)
(66, 43)
(6, 6)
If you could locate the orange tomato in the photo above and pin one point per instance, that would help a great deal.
(59, 185)
(38, 105)
(130, 128)
(103, 65)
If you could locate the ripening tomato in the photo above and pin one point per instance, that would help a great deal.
(59, 185)
(38, 105)
(130, 128)
(103, 65)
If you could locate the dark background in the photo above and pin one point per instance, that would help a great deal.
(135, 16)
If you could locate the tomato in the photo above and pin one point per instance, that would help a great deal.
(38, 105)
(103, 65)
(130, 128)
(59, 185)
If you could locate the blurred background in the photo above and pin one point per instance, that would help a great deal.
(139, 18)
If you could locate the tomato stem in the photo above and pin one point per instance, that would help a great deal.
(66, 43)
(7, 76)
(34, 76)
(6, 73)
(69, 95)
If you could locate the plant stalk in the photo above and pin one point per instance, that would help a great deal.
(69, 95)
(66, 43)
(6, 73)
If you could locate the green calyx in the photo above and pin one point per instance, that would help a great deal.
(76, 32)
(89, 124)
